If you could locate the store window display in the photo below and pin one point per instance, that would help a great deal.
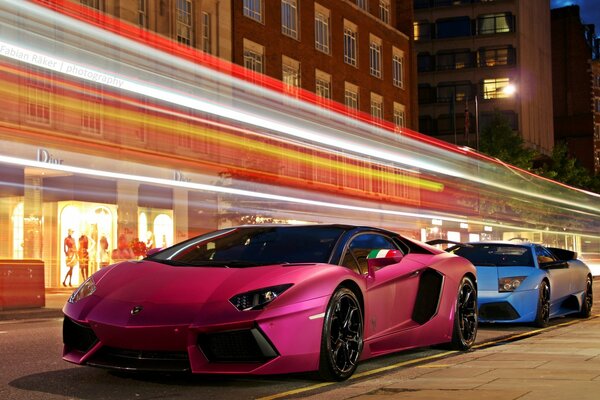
(93, 229)
(70, 251)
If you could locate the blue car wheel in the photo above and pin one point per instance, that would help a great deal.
(543, 308)
(588, 299)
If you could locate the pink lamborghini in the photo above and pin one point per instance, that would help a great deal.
(272, 299)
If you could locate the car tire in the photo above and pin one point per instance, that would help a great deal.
(465, 325)
(588, 299)
(342, 338)
(542, 315)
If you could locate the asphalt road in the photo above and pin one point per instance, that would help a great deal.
(31, 368)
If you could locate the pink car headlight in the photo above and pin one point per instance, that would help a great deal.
(258, 299)
(86, 289)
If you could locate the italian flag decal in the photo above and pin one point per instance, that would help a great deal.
(381, 253)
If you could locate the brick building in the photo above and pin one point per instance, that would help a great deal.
(355, 52)
(576, 88)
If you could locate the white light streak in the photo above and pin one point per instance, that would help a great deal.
(246, 193)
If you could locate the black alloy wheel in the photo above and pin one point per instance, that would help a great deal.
(588, 299)
(543, 309)
(342, 339)
(465, 317)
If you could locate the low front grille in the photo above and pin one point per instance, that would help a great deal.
(141, 360)
(244, 346)
(78, 336)
(501, 311)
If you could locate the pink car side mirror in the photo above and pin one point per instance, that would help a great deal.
(382, 258)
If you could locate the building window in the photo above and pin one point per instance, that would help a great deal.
(321, 29)
(323, 84)
(453, 27)
(384, 10)
(597, 105)
(398, 67)
(206, 30)
(143, 13)
(184, 22)
(376, 106)
(290, 72)
(375, 56)
(492, 88)
(97, 4)
(289, 18)
(91, 107)
(351, 96)
(494, 23)
(253, 9)
(422, 30)
(350, 39)
(597, 132)
(399, 115)
(364, 4)
(455, 59)
(425, 62)
(254, 56)
(492, 57)
(460, 91)
(39, 89)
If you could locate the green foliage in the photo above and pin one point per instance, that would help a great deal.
(564, 168)
(500, 141)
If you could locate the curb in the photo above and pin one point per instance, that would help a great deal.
(32, 313)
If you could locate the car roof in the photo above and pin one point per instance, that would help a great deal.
(505, 243)
(342, 226)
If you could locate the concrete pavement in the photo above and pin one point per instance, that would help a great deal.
(560, 363)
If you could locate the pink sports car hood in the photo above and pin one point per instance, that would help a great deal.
(167, 294)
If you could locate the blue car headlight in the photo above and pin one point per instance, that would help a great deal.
(258, 299)
(86, 289)
(510, 284)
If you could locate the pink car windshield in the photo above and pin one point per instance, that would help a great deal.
(255, 246)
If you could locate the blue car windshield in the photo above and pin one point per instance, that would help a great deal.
(254, 246)
(495, 255)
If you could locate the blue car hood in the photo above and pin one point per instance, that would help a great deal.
(487, 276)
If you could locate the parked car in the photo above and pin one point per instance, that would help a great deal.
(272, 299)
(522, 282)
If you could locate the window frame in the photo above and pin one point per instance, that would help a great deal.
(253, 9)
(292, 7)
(322, 30)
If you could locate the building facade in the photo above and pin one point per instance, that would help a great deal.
(575, 86)
(354, 52)
(61, 119)
(469, 53)
(596, 104)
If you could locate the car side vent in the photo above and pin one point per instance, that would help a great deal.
(428, 296)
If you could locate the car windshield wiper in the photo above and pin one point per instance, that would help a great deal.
(484, 264)
(168, 262)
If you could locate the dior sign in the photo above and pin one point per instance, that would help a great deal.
(43, 155)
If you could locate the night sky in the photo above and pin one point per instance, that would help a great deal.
(590, 10)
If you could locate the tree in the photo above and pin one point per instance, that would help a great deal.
(500, 141)
(566, 169)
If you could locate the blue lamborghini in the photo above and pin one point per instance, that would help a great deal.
(527, 282)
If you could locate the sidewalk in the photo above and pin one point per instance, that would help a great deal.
(55, 300)
(562, 363)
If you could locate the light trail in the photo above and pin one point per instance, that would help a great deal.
(248, 193)
(362, 147)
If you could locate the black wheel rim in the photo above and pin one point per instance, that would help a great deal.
(345, 338)
(467, 312)
(544, 302)
(589, 294)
